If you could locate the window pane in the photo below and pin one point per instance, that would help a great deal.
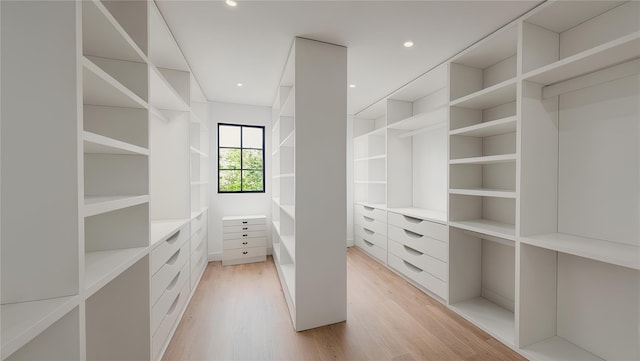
(252, 137)
(229, 180)
(251, 159)
(252, 180)
(229, 158)
(229, 136)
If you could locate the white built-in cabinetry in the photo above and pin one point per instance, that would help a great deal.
(542, 248)
(309, 157)
(244, 239)
(99, 250)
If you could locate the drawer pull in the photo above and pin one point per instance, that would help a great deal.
(368, 219)
(173, 305)
(173, 282)
(412, 251)
(412, 234)
(245, 243)
(200, 216)
(412, 219)
(412, 267)
(245, 252)
(244, 235)
(174, 258)
(173, 238)
(367, 243)
(245, 222)
(368, 231)
(245, 228)
(369, 208)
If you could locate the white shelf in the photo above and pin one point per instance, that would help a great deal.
(95, 143)
(285, 175)
(382, 206)
(276, 226)
(195, 214)
(491, 159)
(276, 251)
(163, 49)
(485, 226)
(200, 153)
(426, 214)
(97, 205)
(23, 321)
(422, 120)
(290, 140)
(162, 95)
(375, 157)
(103, 266)
(162, 229)
(370, 182)
(289, 210)
(289, 244)
(199, 183)
(488, 129)
(103, 36)
(610, 252)
(492, 96)
(288, 109)
(493, 319)
(558, 349)
(100, 88)
(276, 201)
(588, 61)
(289, 275)
(482, 192)
(373, 132)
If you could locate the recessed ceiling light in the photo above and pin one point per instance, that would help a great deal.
(352, 85)
(239, 84)
(408, 44)
(231, 3)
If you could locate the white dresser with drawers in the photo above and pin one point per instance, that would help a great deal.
(371, 231)
(244, 239)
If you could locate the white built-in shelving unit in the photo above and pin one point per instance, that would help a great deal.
(114, 148)
(306, 234)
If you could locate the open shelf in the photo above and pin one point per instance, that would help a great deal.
(492, 96)
(610, 252)
(289, 210)
(198, 152)
(289, 275)
(162, 94)
(289, 244)
(287, 109)
(23, 321)
(290, 140)
(97, 205)
(483, 192)
(492, 159)
(492, 318)
(163, 49)
(558, 349)
(489, 227)
(488, 129)
(161, 229)
(103, 36)
(103, 266)
(100, 88)
(95, 143)
(422, 120)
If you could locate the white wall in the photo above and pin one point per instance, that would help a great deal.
(236, 204)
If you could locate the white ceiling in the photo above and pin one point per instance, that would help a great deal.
(249, 44)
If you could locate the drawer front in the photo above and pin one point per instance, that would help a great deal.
(168, 272)
(245, 228)
(419, 259)
(371, 249)
(160, 338)
(378, 239)
(160, 308)
(197, 240)
(426, 228)
(370, 212)
(419, 276)
(243, 221)
(242, 235)
(161, 254)
(200, 231)
(196, 269)
(242, 253)
(199, 222)
(432, 247)
(245, 243)
(371, 224)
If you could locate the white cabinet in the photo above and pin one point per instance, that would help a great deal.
(370, 231)
(244, 239)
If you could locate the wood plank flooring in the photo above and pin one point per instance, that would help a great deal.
(239, 313)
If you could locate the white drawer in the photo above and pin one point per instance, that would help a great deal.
(419, 259)
(378, 239)
(160, 308)
(372, 224)
(200, 231)
(432, 247)
(245, 228)
(370, 212)
(239, 221)
(167, 248)
(242, 235)
(197, 240)
(168, 272)
(419, 276)
(244, 253)
(199, 222)
(371, 249)
(160, 338)
(245, 243)
(196, 269)
(426, 228)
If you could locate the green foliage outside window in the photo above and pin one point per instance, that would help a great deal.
(240, 158)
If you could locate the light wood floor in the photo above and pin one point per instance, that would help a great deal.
(239, 313)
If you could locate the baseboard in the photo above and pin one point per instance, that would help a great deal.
(350, 242)
(216, 256)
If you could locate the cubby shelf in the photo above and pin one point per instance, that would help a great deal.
(103, 36)
(289, 210)
(610, 252)
(290, 140)
(558, 349)
(492, 318)
(162, 94)
(485, 226)
(593, 59)
(98, 205)
(482, 192)
(276, 227)
(492, 96)
(161, 229)
(100, 88)
(288, 107)
(95, 143)
(488, 129)
(289, 275)
(289, 244)
(492, 159)
(422, 120)
(103, 266)
(23, 321)
(198, 152)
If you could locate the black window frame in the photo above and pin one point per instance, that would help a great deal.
(241, 148)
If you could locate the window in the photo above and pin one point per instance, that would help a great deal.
(240, 158)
